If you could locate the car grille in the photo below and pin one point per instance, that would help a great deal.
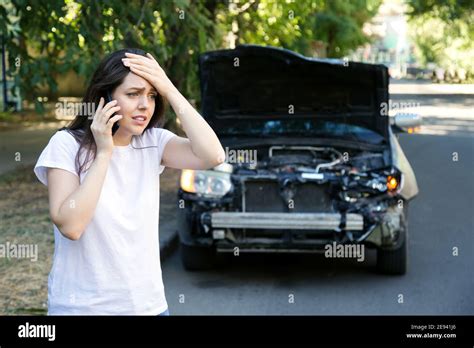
(265, 196)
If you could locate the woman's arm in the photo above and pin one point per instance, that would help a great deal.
(202, 149)
(72, 205)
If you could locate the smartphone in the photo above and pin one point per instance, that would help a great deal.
(108, 99)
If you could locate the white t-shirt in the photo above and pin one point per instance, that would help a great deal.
(114, 268)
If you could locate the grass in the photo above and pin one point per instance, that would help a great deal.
(24, 216)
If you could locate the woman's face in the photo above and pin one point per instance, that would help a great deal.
(136, 98)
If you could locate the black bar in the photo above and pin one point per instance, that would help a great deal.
(239, 329)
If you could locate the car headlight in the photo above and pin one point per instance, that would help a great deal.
(205, 182)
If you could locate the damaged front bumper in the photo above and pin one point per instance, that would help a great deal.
(295, 232)
(296, 221)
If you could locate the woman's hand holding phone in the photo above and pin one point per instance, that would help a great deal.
(102, 123)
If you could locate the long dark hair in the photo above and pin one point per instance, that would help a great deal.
(109, 75)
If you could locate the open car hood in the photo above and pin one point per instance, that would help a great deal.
(251, 83)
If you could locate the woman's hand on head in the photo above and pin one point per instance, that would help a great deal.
(101, 126)
(148, 68)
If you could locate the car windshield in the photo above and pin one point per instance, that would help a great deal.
(306, 128)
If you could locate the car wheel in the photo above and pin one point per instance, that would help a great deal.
(395, 261)
(196, 258)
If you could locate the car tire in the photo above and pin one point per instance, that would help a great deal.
(395, 261)
(195, 258)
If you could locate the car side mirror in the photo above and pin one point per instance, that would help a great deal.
(404, 122)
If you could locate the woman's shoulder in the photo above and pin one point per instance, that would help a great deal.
(59, 153)
(65, 135)
(154, 131)
(156, 136)
(64, 140)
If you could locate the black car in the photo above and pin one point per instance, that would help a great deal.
(312, 161)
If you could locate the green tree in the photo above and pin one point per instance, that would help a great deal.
(442, 31)
(297, 24)
(340, 24)
(51, 38)
(54, 37)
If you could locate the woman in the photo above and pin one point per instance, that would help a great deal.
(104, 188)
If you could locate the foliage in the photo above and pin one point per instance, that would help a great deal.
(443, 31)
(46, 39)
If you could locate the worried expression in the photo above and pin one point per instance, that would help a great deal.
(136, 98)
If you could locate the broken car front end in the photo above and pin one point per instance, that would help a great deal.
(294, 199)
(311, 160)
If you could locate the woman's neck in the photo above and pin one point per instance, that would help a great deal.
(121, 140)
